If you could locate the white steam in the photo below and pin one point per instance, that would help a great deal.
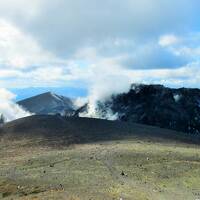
(105, 77)
(8, 108)
(102, 89)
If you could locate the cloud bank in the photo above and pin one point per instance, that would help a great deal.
(8, 108)
(99, 45)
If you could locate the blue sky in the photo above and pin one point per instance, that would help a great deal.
(77, 47)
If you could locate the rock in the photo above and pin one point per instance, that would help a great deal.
(123, 173)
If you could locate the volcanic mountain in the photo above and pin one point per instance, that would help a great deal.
(156, 105)
(48, 103)
(177, 109)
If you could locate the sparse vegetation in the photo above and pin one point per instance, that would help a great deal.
(132, 168)
(170, 172)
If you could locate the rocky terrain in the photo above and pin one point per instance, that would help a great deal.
(156, 105)
(53, 157)
(177, 109)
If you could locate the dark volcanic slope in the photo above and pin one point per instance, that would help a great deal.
(47, 103)
(156, 105)
(80, 130)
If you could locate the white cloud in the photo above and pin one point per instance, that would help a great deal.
(63, 27)
(24, 62)
(8, 108)
(187, 51)
(19, 50)
(187, 46)
(20, 9)
(188, 76)
(10, 73)
(103, 44)
(168, 40)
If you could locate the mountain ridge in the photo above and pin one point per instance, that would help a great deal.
(82, 130)
(172, 108)
(48, 103)
(156, 105)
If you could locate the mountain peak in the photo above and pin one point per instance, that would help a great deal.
(47, 103)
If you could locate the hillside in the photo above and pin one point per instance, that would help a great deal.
(156, 105)
(81, 130)
(51, 157)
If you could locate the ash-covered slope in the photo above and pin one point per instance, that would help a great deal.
(71, 130)
(177, 109)
(48, 103)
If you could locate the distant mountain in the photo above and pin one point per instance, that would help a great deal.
(156, 105)
(177, 109)
(48, 103)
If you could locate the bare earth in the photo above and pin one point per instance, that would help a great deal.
(132, 168)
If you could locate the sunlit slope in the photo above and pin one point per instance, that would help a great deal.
(96, 159)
